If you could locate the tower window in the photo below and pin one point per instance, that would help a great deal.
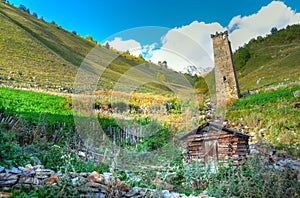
(224, 78)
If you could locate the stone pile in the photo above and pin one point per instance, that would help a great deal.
(208, 115)
(88, 184)
(275, 160)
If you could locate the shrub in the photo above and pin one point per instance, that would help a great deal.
(254, 178)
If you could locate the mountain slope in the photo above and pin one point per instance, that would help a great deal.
(270, 60)
(37, 54)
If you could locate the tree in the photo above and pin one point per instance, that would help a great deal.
(165, 64)
(274, 30)
(22, 7)
(89, 38)
(34, 14)
(141, 56)
(241, 56)
(107, 46)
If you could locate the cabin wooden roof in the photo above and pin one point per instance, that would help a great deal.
(207, 128)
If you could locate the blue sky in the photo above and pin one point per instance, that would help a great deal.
(103, 18)
(106, 19)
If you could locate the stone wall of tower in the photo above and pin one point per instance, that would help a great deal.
(227, 88)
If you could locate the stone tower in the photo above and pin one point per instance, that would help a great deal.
(227, 88)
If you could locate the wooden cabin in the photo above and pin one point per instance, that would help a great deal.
(213, 142)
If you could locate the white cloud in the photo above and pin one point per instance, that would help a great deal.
(131, 45)
(192, 45)
(193, 41)
(187, 45)
(148, 50)
(275, 14)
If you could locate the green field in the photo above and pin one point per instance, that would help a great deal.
(31, 105)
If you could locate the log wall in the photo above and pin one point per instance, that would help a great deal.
(219, 145)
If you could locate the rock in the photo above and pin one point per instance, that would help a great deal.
(166, 193)
(131, 193)
(72, 174)
(26, 180)
(3, 176)
(2, 169)
(174, 195)
(44, 173)
(92, 187)
(295, 163)
(53, 179)
(36, 167)
(88, 190)
(137, 196)
(37, 182)
(28, 167)
(96, 177)
(74, 180)
(297, 94)
(83, 174)
(82, 154)
(122, 194)
(29, 173)
(9, 180)
(297, 105)
(122, 186)
(5, 194)
(14, 171)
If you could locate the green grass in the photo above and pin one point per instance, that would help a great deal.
(271, 116)
(31, 105)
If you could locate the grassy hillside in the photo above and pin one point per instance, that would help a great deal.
(38, 54)
(270, 60)
(270, 116)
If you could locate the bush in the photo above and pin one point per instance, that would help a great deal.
(11, 153)
(254, 179)
(60, 158)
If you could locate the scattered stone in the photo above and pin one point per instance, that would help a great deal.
(5, 194)
(8, 180)
(96, 177)
(297, 94)
(52, 179)
(131, 193)
(26, 180)
(122, 186)
(297, 105)
(43, 173)
(38, 167)
(28, 167)
(84, 174)
(14, 171)
(72, 174)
